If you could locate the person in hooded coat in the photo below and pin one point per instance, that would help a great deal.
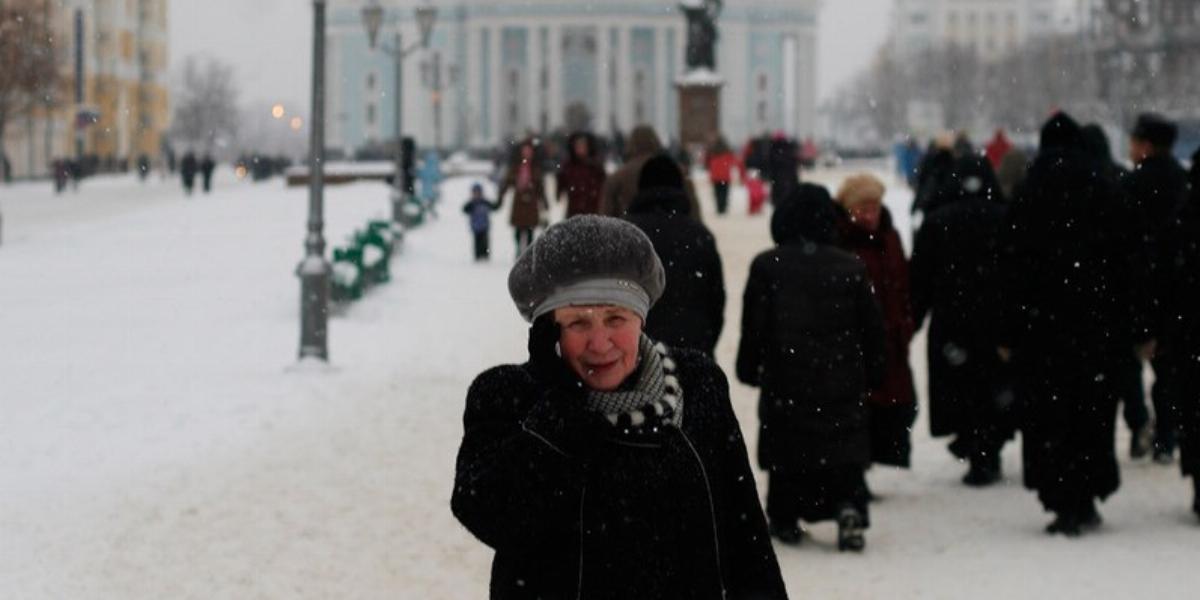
(933, 174)
(524, 179)
(622, 185)
(954, 271)
(1181, 342)
(1072, 313)
(865, 228)
(581, 177)
(691, 312)
(608, 465)
(812, 339)
(1158, 187)
(1129, 380)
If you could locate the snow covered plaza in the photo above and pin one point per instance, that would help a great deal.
(157, 440)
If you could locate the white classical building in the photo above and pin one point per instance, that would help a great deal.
(992, 28)
(498, 68)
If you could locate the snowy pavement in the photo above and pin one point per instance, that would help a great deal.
(156, 441)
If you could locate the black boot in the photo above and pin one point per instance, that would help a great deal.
(1065, 523)
(1089, 517)
(850, 531)
(785, 532)
(985, 470)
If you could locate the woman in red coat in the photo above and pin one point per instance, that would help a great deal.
(722, 162)
(866, 230)
(581, 178)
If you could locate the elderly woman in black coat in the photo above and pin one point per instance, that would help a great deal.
(812, 339)
(954, 274)
(691, 312)
(607, 465)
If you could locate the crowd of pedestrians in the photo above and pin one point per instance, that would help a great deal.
(1046, 280)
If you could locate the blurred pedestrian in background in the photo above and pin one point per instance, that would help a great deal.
(722, 163)
(581, 177)
(691, 312)
(207, 166)
(866, 229)
(187, 170)
(525, 180)
(479, 210)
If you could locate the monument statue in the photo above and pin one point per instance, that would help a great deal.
(701, 32)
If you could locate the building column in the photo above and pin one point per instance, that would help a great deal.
(533, 49)
(662, 87)
(555, 93)
(604, 102)
(624, 91)
(496, 87)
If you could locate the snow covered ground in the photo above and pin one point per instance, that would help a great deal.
(156, 441)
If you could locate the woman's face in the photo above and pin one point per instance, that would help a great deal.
(867, 215)
(526, 152)
(581, 148)
(599, 343)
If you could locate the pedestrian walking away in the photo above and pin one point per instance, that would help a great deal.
(1181, 342)
(581, 177)
(207, 166)
(812, 340)
(529, 202)
(479, 210)
(955, 284)
(1158, 187)
(865, 228)
(608, 465)
(622, 186)
(722, 163)
(188, 168)
(691, 312)
(1067, 235)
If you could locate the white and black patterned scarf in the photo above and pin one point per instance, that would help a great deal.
(655, 400)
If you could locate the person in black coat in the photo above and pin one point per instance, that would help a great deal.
(953, 271)
(207, 166)
(691, 312)
(812, 339)
(1181, 341)
(1072, 311)
(1158, 188)
(187, 170)
(608, 465)
(1129, 380)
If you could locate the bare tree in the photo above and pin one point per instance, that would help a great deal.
(206, 104)
(28, 66)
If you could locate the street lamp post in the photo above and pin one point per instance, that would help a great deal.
(372, 16)
(314, 270)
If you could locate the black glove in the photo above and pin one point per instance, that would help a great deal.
(546, 364)
(558, 416)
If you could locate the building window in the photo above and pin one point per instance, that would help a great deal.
(371, 81)
(371, 115)
(762, 82)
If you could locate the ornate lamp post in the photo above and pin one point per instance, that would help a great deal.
(372, 16)
(314, 270)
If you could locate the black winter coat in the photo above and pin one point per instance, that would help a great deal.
(691, 312)
(574, 513)
(1075, 287)
(954, 272)
(1158, 189)
(1181, 342)
(812, 339)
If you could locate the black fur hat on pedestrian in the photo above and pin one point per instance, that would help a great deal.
(660, 172)
(807, 214)
(1156, 130)
(587, 260)
(1061, 132)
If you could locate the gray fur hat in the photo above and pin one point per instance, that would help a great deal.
(587, 260)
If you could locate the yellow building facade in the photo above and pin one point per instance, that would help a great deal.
(124, 61)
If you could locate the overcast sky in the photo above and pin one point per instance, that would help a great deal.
(269, 42)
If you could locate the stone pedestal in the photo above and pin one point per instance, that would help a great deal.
(699, 109)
